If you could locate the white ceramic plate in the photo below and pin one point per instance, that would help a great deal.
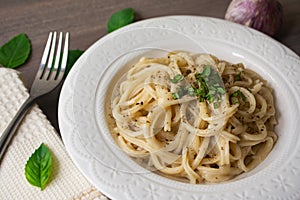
(88, 141)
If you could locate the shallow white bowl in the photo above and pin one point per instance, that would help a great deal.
(82, 110)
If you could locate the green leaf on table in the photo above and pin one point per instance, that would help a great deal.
(73, 56)
(38, 167)
(120, 19)
(15, 52)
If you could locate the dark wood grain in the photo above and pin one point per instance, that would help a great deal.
(86, 21)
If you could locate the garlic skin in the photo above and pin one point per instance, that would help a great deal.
(263, 15)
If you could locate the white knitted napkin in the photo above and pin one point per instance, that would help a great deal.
(66, 182)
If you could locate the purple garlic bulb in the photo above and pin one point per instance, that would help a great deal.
(263, 15)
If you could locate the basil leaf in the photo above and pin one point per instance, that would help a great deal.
(239, 93)
(38, 167)
(73, 56)
(216, 105)
(177, 78)
(190, 91)
(175, 95)
(15, 52)
(221, 90)
(207, 70)
(120, 19)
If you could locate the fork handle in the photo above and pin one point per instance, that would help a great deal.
(10, 130)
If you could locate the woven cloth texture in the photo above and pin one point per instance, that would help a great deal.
(66, 182)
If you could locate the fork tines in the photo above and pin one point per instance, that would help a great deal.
(54, 67)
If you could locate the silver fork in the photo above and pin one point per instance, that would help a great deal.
(47, 79)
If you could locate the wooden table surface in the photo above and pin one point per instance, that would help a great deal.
(86, 21)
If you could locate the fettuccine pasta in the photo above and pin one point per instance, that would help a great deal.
(193, 117)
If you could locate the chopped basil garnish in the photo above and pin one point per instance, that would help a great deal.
(207, 70)
(208, 86)
(183, 90)
(216, 105)
(177, 78)
(211, 86)
(238, 93)
(221, 90)
(175, 95)
(190, 91)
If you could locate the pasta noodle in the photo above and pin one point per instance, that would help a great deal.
(193, 117)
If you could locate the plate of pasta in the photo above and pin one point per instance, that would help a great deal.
(185, 107)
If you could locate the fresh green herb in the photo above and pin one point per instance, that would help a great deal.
(38, 167)
(208, 86)
(73, 56)
(177, 78)
(216, 105)
(197, 91)
(210, 98)
(238, 93)
(120, 19)
(175, 95)
(221, 90)
(211, 88)
(243, 97)
(15, 52)
(183, 90)
(206, 71)
(190, 91)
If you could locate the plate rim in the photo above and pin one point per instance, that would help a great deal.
(77, 64)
